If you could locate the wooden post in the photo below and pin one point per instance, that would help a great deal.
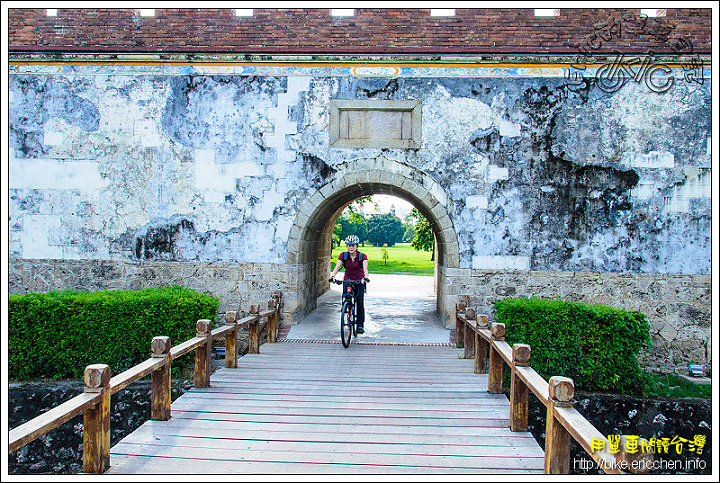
(481, 345)
(203, 354)
(469, 333)
(96, 420)
(160, 380)
(519, 390)
(231, 345)
(277, 295)
(460, 324)
(272, 322)
(557, 439)
(638, 460)
(495, 375)
(253, 332)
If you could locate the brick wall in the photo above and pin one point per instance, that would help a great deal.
(378, 31)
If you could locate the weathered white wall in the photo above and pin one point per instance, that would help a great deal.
(221, 162)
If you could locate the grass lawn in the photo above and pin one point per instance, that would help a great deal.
(403, 259)
(673, 386)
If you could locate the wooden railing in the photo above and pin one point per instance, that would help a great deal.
(94, 402)
(483, 341)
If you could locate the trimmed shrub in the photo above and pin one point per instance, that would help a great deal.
(596, 346)
(57, 334)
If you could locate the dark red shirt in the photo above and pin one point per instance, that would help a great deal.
(353, 268)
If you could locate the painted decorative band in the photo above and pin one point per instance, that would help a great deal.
(315, 70)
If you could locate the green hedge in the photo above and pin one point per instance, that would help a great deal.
(596, 346)
(57, 334)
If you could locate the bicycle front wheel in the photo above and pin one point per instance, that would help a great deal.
(346, 324)
(354, 321)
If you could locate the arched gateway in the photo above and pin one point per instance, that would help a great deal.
(309, 243)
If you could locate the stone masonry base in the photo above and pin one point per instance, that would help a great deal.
(678, 307)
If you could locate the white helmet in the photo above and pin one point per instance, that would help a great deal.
(352, 240)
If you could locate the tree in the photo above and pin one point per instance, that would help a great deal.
(352, 224)
(352, 221)
(424, 238)
(337, 231)
(359, 226)
(409, 232)
(384, 229)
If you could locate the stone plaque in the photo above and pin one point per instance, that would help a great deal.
(375, 124)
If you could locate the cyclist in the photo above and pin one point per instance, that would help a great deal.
(356, 268)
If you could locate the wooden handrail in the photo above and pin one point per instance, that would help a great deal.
(222, 331)
(135, 373)
(535, 382)
(266, 314)
(584, 433)
(505, 351)
(46, 422)
(94, 403)
(187, 346)
(248, 320)
(564, 422)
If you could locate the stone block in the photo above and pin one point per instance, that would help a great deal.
(328, 190)
(652, 159)
(488, 262)
(394, 180)
(451, 260)
(476, 201)
(301, 220)
(668, 332)
(408, 185)
(385, 177)
(53, 138)
(338, 184)
(496, 173)
(368, 177)
(351, 178)
(312, 203)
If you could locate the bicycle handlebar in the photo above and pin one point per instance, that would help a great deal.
(340, 282)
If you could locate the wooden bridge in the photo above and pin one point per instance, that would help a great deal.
(321, 409)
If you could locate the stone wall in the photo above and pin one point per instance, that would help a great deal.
(678, 307)
(237, 284)
(208, 168)
(222, 178)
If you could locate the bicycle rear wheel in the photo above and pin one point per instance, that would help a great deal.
(346, 324)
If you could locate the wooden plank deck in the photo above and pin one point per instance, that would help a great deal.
(322, 409)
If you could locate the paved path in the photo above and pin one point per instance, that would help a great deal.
(399, 309)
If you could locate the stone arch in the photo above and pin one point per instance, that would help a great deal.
(309, 242)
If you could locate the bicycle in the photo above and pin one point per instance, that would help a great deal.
(348, 312)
